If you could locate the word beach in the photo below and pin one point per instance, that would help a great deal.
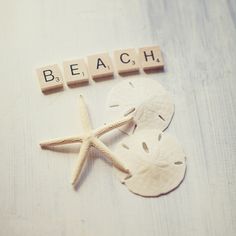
(98, 67)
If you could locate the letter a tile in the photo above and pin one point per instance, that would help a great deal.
(100, 66)
(50, 77)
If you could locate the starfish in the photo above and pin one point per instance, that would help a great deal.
(90, 138)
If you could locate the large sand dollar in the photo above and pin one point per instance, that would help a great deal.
(145, 99)
(156, 161)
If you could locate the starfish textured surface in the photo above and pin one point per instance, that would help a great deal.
(90, 138)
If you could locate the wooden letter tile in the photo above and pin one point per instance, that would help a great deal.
(126, 60)
(100, 66)
(50, 77)
(151, 58)
(75, 72)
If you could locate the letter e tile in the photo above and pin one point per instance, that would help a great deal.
(75, 72)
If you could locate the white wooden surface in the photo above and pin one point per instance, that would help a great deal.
(198, 39)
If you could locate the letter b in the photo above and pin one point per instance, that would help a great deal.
(48, 76)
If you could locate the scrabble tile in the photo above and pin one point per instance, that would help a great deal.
(50, 77)
(100, 66)
(75, 72)
(126, 60)
(151, 58)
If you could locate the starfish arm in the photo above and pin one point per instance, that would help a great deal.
(80, 162)
(84, 114)
(108, 154)
(106, 128)
(61, 141)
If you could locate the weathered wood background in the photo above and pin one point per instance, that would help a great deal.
(198, 39)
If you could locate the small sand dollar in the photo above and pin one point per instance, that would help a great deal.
(145, 99)
(156, 161)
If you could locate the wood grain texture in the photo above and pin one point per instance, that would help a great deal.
(197, 39)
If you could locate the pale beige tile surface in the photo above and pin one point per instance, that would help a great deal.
(126, 60)
(75, 72)
(100, 66)
(151, 58)
(50, 77)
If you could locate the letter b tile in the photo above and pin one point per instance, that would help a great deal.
(50, 77)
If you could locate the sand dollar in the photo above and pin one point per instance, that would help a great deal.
(145, 99)
(156, 161)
